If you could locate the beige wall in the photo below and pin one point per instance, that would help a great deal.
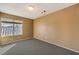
(0, 29)
(27, 29)
(61, 27)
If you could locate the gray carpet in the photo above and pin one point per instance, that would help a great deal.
(37, 47)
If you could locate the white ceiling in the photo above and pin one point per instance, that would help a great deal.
(20, 9)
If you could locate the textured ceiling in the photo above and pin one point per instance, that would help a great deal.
(20, 9)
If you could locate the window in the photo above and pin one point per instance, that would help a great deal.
(11, 28)
(18, 29)
(6, 29)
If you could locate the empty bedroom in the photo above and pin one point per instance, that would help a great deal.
(39, 28)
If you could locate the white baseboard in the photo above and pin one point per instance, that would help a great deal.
(4, 48)
(60, 46)
(66, 48)
(14, 41)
